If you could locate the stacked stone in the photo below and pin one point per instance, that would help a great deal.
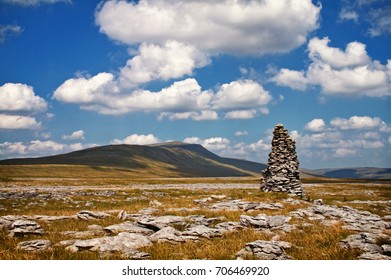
(282, 174)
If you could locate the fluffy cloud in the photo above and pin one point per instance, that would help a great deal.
(241, 133)
(357, 136)
(154, 62)
(9, 30)
(241, 94)
(33, 2)
(223, 26)
(76, 135)
(182, 100)
(350, 72)
(316, 125)
(20, 97)
(18, 122)
(136, 139)
(38, 148)
(347, 14)
(241, 114)
(215, 144)
(357, 122)
(204, 115)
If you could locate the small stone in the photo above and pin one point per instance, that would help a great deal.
(265, 250)
(318, 201)
(24, 228)
(90, 215)
(34, 245)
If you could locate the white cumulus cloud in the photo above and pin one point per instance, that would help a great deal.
(137, 139)
(356, 122)
(222, 26)
(18, 122)
(241, 94)
(172, 60)
(349, 72)
(76, 135)
(316, 125)
(20, 97)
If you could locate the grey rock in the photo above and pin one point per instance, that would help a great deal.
(373, 256)
(128, 227)
(167, 235)
(282, 173)
(263, 221)
(90, 215)
(157, 223)
(122, 243)
(259, 221)
(318, 201)
(277, 221)
(363, 241)
(202, 231)
(34, 245)
(24, 228)
(386, 249)
(265, 250)
(229, 226)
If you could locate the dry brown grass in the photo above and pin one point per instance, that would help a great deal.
(223, 248)
(316, 242)
(319, 242)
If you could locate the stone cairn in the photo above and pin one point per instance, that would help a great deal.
(282, 174)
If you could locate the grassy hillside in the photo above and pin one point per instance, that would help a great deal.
(173, 159)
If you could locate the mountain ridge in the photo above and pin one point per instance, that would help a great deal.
(181, 159)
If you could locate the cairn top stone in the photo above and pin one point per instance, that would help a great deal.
(282, 174)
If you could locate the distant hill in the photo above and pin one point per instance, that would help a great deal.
(172, 159)
(354, 173)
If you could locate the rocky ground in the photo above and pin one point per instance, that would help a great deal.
(125, 221)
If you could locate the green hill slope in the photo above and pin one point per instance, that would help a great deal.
(171, 159)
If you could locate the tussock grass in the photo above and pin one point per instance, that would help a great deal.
(223, 248)
(319, 242)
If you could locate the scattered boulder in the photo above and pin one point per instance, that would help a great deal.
(367, 242)
(21, 228)
(157, 223)
(265, 250)
(229, 226)
(125, 243)
(90, 215)
(263, 221)
(128, 227)
(355, 220)
(34, 245)
(202, 231)
(167, 235)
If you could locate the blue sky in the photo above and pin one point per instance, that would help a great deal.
(76, 74)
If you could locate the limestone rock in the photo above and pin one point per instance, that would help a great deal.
(157, 223)
(90, 215)
(24, 228)
(282, 174)
(128, 227)
(34, 245)
(365, 242)
(229, 226)
(264, 221)
(265, 250)
(167, 235)
(202, 231)
(124, 243)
